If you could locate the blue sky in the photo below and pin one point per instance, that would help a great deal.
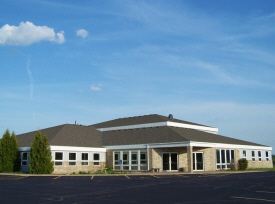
(209, 62)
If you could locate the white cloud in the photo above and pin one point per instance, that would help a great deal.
(96, 87)
(82, 33)
(27, 33)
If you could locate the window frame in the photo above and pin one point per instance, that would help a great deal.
(260, 156)
(24, 160)
(72, 162)
(58, 160)
(267, 155)
(244, 154)
(224, 158)
(86, 160)
(96, 162)
(253, 158)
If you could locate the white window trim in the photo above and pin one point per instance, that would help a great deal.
(260, 156)
(245, 154)
(85, 160)
(196, 160)
(59, 160)
(253, 157)
(72, 160)
(226, 163)
(96, 160)
(24, 160)
(267, 157)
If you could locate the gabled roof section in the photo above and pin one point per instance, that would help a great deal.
(165, 134)
(153, 120)
(137, 120)
(65, 135)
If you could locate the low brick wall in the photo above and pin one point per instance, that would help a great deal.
(66, 169)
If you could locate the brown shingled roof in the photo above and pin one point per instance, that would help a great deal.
(164, 134)
(137, 120)
(65, 135)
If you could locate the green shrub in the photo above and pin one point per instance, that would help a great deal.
(242, 164)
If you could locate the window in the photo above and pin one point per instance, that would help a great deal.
(224, 158)
(96, 159)
(253, 155)
(24, 160)
(130, 160)
(134, 158)
(266, 155)
(84, 158)
(72, 159)
(260, 155)
(143, 158)
(58, 159)
(244, 153)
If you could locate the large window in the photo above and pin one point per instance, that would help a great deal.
(72, 159)
(133, 160)
(84, 159)
(58, 159)
(225, 157)
(96, 159)
(24, 159)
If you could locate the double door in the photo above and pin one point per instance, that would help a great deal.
(170, 161)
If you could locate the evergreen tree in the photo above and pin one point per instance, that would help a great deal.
(9, 153)
(15, 154)
(40, 156)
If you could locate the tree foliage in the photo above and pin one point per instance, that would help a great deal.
(40, 155)
(9, 153)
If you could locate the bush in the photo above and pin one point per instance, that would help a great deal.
(242, 164)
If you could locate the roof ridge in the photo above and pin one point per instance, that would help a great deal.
(171, 128)
(161, 117)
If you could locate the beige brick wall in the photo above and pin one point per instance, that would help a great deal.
(156, 157)
(209, 156)
(66, 169)
(259, 164)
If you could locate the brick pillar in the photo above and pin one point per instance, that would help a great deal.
(190, 159)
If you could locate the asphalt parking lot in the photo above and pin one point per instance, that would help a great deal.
(150, 188)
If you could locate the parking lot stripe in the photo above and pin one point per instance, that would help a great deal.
(259, 199)
(92, 177)
(127, 177)
(57, 177)
(264, 192)
(21, 177)
(155, 176)
(180, 175)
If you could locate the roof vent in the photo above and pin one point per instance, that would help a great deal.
(170, 116)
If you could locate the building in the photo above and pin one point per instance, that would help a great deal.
(145, 143)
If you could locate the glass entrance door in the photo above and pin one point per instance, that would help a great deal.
(170, 161)
(198, 161)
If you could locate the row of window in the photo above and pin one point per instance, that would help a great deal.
(224, 158)
(130, 160)
(58, 159)
(253, 153)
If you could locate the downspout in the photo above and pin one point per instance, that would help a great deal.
(148, 161)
